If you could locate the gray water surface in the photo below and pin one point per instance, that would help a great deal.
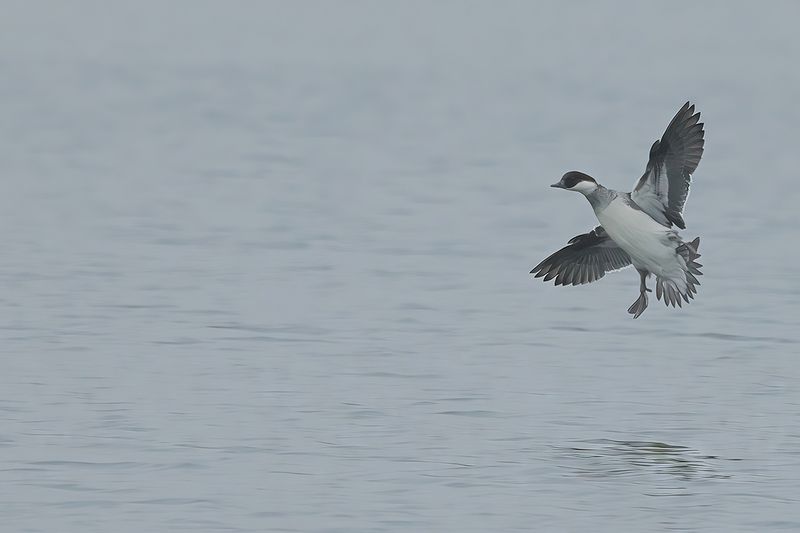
(265, 268)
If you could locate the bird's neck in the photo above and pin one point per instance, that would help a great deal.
(599, 197)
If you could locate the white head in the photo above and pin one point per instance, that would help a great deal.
(578, 182)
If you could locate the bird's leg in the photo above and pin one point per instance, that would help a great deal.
(638, 307)
(643, 281)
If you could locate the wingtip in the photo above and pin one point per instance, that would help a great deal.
(539, 268)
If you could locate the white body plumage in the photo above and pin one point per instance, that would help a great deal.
(651, 246)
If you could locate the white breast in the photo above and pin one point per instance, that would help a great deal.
(645, 240)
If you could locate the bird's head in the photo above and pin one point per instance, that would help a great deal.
(578, 182)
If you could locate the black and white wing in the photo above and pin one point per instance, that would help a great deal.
(587, 258)
(662, 191)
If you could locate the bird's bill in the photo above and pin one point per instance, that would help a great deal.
(558, 185)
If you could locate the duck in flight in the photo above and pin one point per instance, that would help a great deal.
(636, 228)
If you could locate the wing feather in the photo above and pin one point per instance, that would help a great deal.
(662, 190)
(586, 258)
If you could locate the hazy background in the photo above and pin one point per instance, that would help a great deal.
(265, 268)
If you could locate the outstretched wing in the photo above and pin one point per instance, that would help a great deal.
(662, 191)
(587, 258)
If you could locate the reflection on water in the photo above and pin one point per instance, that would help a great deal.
(606, 458)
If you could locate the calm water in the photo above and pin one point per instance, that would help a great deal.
(265, 268)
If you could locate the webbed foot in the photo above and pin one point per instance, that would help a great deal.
(638, 307)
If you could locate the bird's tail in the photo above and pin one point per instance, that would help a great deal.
(684, 283)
